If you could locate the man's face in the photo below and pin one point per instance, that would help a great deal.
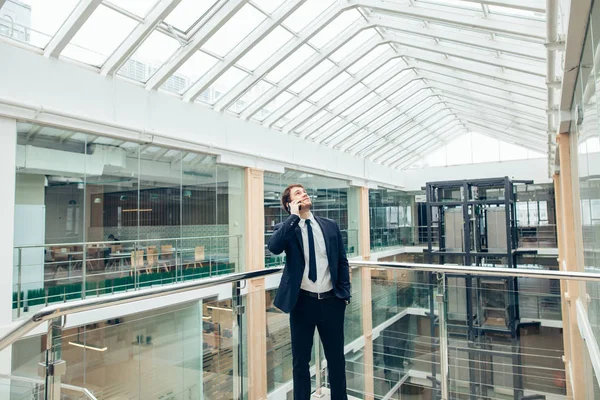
(298, 193)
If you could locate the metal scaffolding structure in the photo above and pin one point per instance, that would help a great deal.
(474, 222)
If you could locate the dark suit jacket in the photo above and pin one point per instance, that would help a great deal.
(287, 237)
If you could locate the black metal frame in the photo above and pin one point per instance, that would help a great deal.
(474, 210)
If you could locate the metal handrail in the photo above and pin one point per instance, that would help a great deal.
(59, 310)
(85, 391)
(482, 271)
(33, 246)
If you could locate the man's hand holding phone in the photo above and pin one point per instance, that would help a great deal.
(295, 207)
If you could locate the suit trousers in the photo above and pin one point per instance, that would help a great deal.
(327, 315)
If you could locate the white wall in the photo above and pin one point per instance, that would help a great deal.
(533, 169)
(8, 144)
(56, 87)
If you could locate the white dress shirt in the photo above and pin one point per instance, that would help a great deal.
(323, 282)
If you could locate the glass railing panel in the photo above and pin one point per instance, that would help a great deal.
(279, 345)
(49, 274)
(353, 317)
(382, 238)
(18, 389)
(491, 352)
(160, 353)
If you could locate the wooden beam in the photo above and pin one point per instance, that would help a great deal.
(256, 313)
(569, 262)
(563, 286)
(366, 295)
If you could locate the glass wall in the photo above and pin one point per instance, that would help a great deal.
(117, 215)
(392, 216)
(330, 197)
(585, 127)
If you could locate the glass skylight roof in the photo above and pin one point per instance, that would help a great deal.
(378, 79)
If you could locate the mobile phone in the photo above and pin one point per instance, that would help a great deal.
(290, 207)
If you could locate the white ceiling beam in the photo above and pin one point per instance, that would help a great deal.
(280, 55)
(489, 109)
(432, 145)
(538, 126)
(323, 80)
(530, 131)
(491, 102)
(526, 80)
(282, 111)
(538, 6)
(415, 148)
(268, 25)
(526, 49)
(457, 88)
(367, 107)
(302, 70)
(307, 114)
(385, 76)
(2, 3)
(506, 133)
(356, 147)
(137, 36)
(432, 128)
(70, 27)
(479, 127)
(515, 26)
(419, 142)
(474, 76)
(394, 125)
(391, 123)
(198, 39)
(455, 67)
(536, 68)
(485, 90)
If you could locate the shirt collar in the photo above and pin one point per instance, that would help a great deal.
(303, 221)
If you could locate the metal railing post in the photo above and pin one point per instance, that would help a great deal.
(443, 337)
(238, 311)
(19, 284)
(53, 368)
(83, 271)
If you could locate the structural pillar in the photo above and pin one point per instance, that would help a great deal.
(367, 314)
(563, 285)
(254, 244)
(569, 262)
(8, 148)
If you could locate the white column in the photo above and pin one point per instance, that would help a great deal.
(8, 145)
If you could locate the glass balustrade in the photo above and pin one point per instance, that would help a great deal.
(432, 335)
(49, 274)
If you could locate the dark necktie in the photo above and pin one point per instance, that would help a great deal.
(312, 261)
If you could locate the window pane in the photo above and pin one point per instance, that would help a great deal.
(86, 47)
(290, 63)
(192, 70)
(234, 30)
(34, 21)
(228, 80)
(306, 14)
(265, 48)
(334, 28)
(138, 7)
(155, 50)
(188, 12)
(311, 76)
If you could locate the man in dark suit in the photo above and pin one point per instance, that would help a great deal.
(314, 289)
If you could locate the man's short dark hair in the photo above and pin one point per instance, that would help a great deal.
(285, 196)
